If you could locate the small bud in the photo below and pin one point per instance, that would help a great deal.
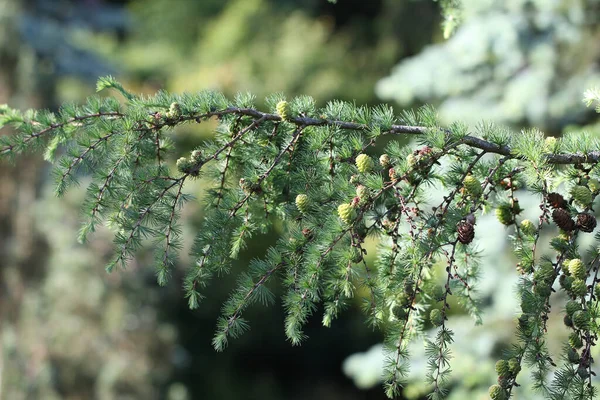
(196, 155)
(245, 185)
(542, 289)
(563, 281)
(354, 179)
(411, 160)
(183, 164)
(399, 312)
(425, 150)
(387, 225)
(515, 206)
(364, 163)
(384, 160)
(174, 111)
(597, 290)
(545, 272)
(392, 174)
(363, 193)
(283, 110)
(506, 183)
(550, 144)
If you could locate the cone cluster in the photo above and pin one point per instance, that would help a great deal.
(506, 370)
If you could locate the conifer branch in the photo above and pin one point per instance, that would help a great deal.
(24, 141)
(312, 171)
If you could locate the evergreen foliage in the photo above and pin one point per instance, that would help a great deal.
(517, 62)
(315, 171)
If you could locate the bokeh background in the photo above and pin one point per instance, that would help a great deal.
(69, 330)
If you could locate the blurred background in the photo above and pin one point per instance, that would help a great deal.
(69, 330)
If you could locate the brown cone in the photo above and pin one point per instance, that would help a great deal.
(586, 222)
(556, 200)
(562, 218)
(466, 232)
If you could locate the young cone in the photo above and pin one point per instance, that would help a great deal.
(473, 186)
(581, 195)
(302, 203)
(364, 163)
(283, 110)
(346, 213)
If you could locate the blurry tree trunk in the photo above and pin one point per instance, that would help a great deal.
(22, 251)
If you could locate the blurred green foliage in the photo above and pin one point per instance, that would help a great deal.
(517, 62)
